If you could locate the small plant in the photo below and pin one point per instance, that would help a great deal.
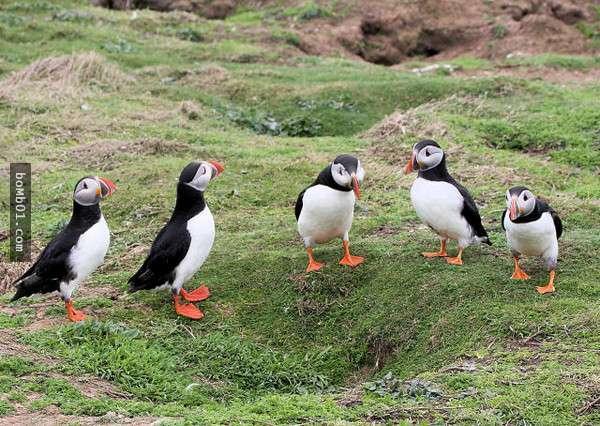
(499, 31)
(389, 385)
(287, 37)
(189, 34)
(72, 16)
(301, 126)
(120, 46)
(309, 11)
(11, 20)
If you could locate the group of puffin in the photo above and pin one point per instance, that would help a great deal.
(324, 211)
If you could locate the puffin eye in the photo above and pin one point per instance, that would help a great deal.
(427, 153)
(524, 197)
(85, 185)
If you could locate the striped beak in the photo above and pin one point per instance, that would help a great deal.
(409, 167)
(513, 208)
(218, 167)
(355, 186)
(107, 187)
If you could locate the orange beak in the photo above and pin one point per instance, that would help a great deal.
(409, 167)
(355, 186)
(513, 208)
(108, 187)
(218, 166)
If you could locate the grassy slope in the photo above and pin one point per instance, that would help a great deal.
(276, 345)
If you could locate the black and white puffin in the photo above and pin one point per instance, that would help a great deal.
(325, 209)
(76, 251)
(532, 229)
(184, 243)
(442, 203)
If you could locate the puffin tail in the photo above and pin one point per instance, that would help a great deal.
(31, 284)
(485, 239)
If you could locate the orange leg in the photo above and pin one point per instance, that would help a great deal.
(187, 309)
(456, 260)
(518, 273)
(441, 253)
(548, 288)
(198, 295)
(73, 314)
(348, 259)
(313, 265)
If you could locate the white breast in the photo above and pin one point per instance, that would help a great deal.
(439, 205)
(536, 238)
(90, 250)
(326, 213)
(202, 232)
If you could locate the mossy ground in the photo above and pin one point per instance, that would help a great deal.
(278, 346)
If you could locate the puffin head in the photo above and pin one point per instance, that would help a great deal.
(91, 189)
(426, 155)
(347, 172)
(520, 201)
(198, 174)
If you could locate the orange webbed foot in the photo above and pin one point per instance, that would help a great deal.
(352, 261)
(454, 260)
(198, 295)
(441, 253)
(313, 265)
(519, 275)
(72, 313)
(187, 310)
(430, 254)
(348, 259)
(546, 289)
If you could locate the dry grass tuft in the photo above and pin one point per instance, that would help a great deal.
(415, 121)
(104, 155)
(58, 77)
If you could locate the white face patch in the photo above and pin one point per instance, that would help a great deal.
(202, 177)
(525, 203)
(87, 192)
(429, 157)
(341, 175)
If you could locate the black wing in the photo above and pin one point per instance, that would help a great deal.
(51, 267)
(299, 203)
(502, 219)
(557, 223)
(471, 213)
(167, 252)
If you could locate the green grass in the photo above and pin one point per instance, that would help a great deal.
(278, 346)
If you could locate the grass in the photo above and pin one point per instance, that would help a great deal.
(398, 339)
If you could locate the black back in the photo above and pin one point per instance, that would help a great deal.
(173, 241)
(540, 208)
(52, 266)
(325, 178)
(440, 173)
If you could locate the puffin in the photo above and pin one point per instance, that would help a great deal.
(532, 229)
(325, 209)
(76, 251)
(442, 203)
(184, 243)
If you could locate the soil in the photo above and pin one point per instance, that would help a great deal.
(388, 32)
